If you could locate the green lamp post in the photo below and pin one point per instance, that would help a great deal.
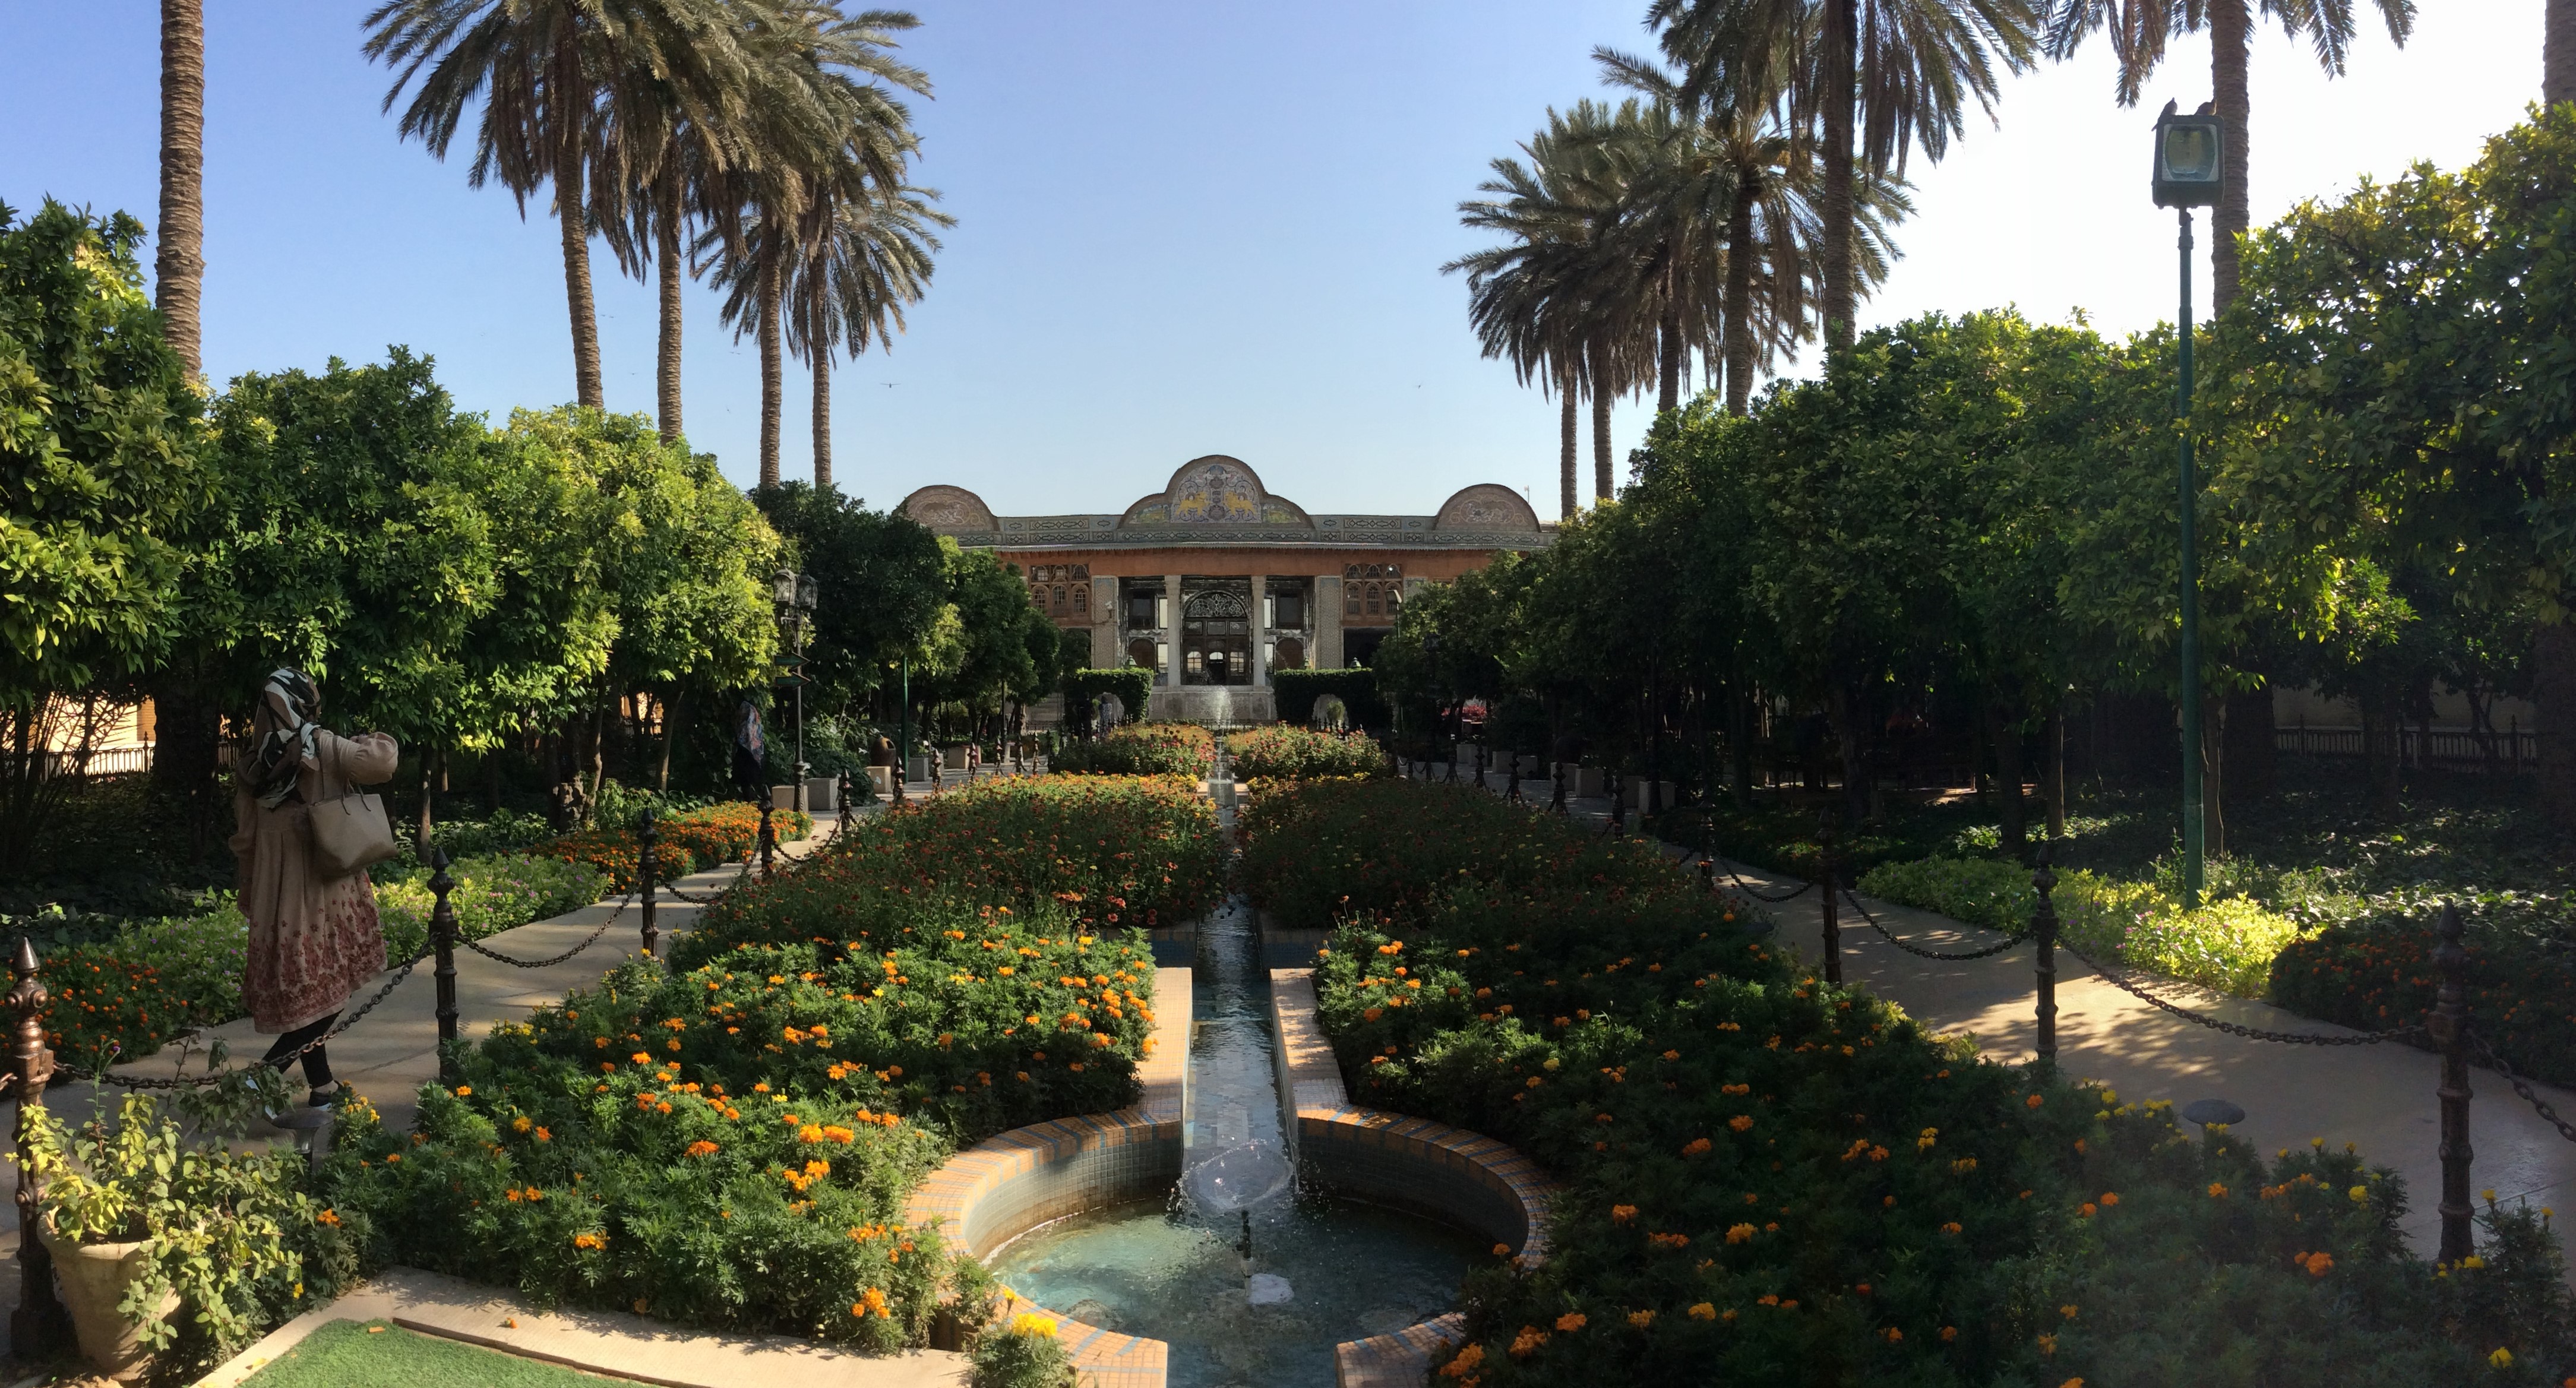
(2190, 171)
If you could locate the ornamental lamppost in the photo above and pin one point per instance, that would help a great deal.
(795, 594)
(2190, 171)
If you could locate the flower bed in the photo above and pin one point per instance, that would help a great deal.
(1773, 1180)
(490, 895)
(1286, 752)
(731, 1143)
(685, 843)
(2377, 978)
(1141, 749)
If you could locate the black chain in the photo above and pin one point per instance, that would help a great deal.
(279, 1063)
(2294, 1038)
(1986, 953)
(1747, 888)
(674, 890)
(567, 954)
(2488, 1058)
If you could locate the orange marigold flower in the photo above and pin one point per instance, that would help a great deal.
(1641, 1319)
(1741, 1233)
(590, 1241)
(701, 1148)
(1621, 1214)
(1703, 1312)
(1527, 1342)
(1740, 1122)
(2034, 1101)
(2217, 1191)
(1572, 1321)
(1695, 1147)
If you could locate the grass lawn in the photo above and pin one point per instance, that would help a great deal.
(375, 1353)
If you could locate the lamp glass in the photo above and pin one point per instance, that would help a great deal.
(2190, 153)
(808, 592)
(783, 587)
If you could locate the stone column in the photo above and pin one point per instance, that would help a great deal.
(1172, 631)
(1328, 621)
(1260, 631)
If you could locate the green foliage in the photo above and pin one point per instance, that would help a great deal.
(1287, 752)
(1142, 749)
(492, 894)
(233, 1234)
(1134, 688)
(1769, 1178)
(1297, 691)
(1023, 1354)
(881, 582)
(99, 441)
(1978, 891)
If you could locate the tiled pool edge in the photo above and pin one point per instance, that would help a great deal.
(1074, 1164)
(1362, 1151)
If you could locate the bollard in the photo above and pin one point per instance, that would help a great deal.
(841, 800)
(768, 841)
(647, 837)
(2043, 934)
(2449, 1029)
(442, 935)
(1833, 912)
(40, 1323)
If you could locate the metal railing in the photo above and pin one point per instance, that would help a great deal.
(2510, 750)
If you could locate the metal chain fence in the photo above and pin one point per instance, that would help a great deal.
(2488, 1058)
(347, 1020)
(2292, 1038)
(586, 943)
(1914, 949)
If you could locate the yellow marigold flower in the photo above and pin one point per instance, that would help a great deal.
(1703, 1312)
(2473, 1261)
(2502, 1358)
(522, 1123)
(2360, 1195)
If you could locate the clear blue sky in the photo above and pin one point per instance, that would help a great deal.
(1184, 228)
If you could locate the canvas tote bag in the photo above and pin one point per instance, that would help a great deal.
(351, 832)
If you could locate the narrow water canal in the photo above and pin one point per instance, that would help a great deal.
(1249, 1276)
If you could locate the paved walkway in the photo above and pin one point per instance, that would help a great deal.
(2378, 1097)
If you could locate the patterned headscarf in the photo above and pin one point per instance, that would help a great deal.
(747, 733)
(291, 703)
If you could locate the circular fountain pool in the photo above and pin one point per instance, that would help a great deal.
(1322, 1271)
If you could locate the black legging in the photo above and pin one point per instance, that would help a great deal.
(317, 1061)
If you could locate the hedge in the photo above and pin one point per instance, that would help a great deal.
(1133, 686)
(1288, 752)
(1297, 691)
(1142, 749)
(1771, 1179)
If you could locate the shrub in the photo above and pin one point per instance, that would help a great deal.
(1142, 749)
(1297, 691)
(121, 998)
(2380, 975)
(490, 895)
(1133, 686)
(685, 843)
(1286, 752)
(1024, 1353)
(1772, 1180)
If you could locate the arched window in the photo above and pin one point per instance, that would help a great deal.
(1081, 598)
(1351, 594)
(1059, 599)
(1374, 600)
(1038, 595)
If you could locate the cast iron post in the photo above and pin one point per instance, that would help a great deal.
(2194, 827)
(647, 835)
(40, 1322)
(2449, 1028)
(1825, 883)
(2043, 934)
(442, 935)
(768, 840)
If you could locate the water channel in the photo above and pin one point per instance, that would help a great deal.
(1250, 1275)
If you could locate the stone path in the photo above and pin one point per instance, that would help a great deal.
(2378, 1097)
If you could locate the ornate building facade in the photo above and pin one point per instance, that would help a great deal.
(1214, 581)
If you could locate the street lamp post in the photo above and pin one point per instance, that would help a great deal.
(795, 595)
(2190, 171)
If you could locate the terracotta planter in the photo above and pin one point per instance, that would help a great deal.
(93, 1277)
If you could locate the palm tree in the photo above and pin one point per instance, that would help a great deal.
(2558, 53)
(546, 75)
(2139, 30)
(179, 263)
(1874, 78)
(865, 255)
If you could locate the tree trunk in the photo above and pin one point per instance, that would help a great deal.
(1738, 328)
(428, 789)
(2553, 688)
(1668, 329)
(2213, 775)
(1601, 490)
(1847, 719)
(179, 265)
(2558, 53)
(1739, 740)
(2056, 771)
(772, 382)
(1834, 209)
(822, 417)
(1568, 431)
(2230, 35)
(666, 376)
(2007, 739)
(673, 709)
(571, 217)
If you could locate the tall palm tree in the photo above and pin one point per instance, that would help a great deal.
(865, 254)
(179, 263)
(545, 74)
(2139, 31)
(2558, 53)
(1873, 78)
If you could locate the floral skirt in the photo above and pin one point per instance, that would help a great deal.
(304, 965)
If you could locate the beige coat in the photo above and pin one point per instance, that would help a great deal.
(312, 940)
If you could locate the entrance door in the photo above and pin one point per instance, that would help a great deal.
(1216, 638)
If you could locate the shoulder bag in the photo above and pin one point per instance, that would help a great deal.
(352, 831)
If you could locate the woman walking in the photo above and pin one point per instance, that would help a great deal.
(313, 939)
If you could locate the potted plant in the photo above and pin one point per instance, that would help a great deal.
(142, 1220)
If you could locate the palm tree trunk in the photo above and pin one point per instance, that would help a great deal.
(822, 417)
(179, 266)
(1600, 428)
(772, 387)
(1834, 208)
(1739, 300)
(1668, 329)
(2558, 53)
(576, 237)
(2230, 35)
(667, 246)
(1567, 431)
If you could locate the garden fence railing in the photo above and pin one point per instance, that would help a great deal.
(39, 1321)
